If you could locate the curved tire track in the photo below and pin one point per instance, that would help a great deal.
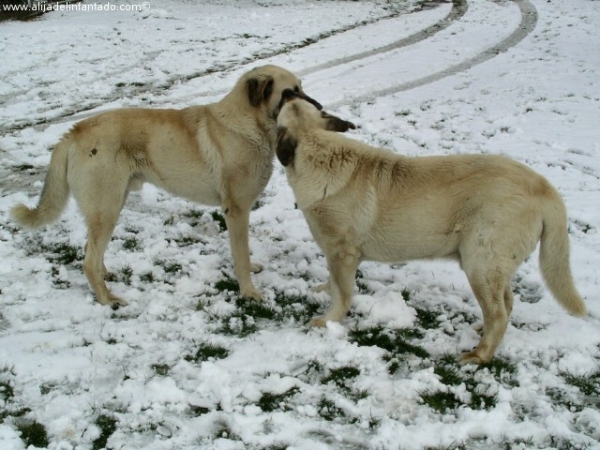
(459, 8)
(529, 18)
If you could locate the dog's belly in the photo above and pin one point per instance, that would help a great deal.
(405, 247)
(188, 183)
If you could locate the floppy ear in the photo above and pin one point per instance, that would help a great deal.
(285, 146)
(259, 89)
(333, 123)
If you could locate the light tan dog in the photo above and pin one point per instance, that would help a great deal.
(219, 154)
(364, 203)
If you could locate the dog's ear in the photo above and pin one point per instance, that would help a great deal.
(333, 123)
(259, 89)
(285, 146)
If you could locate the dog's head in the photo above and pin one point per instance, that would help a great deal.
(296, 115)
(265, 87)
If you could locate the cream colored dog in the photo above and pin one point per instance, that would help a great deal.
(219, 154)
(363, 203)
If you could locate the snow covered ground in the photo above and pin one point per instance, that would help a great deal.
(189, 365)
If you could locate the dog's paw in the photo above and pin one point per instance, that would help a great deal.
(256, 268)
(472, 357)
(251, 293)
(321, 288)
(113, 301)
(320, 322)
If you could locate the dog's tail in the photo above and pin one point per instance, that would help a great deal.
(554, 256)
(55, 193)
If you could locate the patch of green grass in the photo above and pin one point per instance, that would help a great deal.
(238, 325)
(220, 219)
(449, 374)
(427, 319)
(107, 425)
(22, 167)
(45, 389)
(130, 243)
(161, 369)
(453, 446)
(565, 399)
(313, 372)
(329, 411)
(227, 284)
(276, 447)
(125, 274)
(56, 281)
(300, 308)
(171, 267)
(588, 384)
(33, 433)
(224, 431)
(208, 351)
(194, 213)
(500, 367)
(186, 241)
(147, 277)
(6, 391)
(340, 375)
(441, 401)
(360, 283)
(480, 400)
(448, 369)
(391, 340)
(199, 410)
(405, 294)
(403, 113)
(270, 402)
(63, 253)
(255, 309)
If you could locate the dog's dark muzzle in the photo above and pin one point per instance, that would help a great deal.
(289, 94)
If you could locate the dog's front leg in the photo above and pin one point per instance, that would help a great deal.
(342, 273)
(238, 220)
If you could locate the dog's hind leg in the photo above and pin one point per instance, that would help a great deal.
(100, 227)
(100, 199)
(492, 290)
(342, 273)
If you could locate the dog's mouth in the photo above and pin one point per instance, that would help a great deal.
(290, 94)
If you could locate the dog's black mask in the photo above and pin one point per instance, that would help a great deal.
(290, 94)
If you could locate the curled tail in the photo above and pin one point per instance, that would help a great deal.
(55, 193)
(554, 257)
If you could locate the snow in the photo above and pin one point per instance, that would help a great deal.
(68, 360)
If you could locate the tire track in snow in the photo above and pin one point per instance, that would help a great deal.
(529, 18)
(459, 7)
(528, 22)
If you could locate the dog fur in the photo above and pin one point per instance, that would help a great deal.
(363, 203)
(218, 154)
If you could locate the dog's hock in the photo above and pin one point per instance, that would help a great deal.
(285, 147)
